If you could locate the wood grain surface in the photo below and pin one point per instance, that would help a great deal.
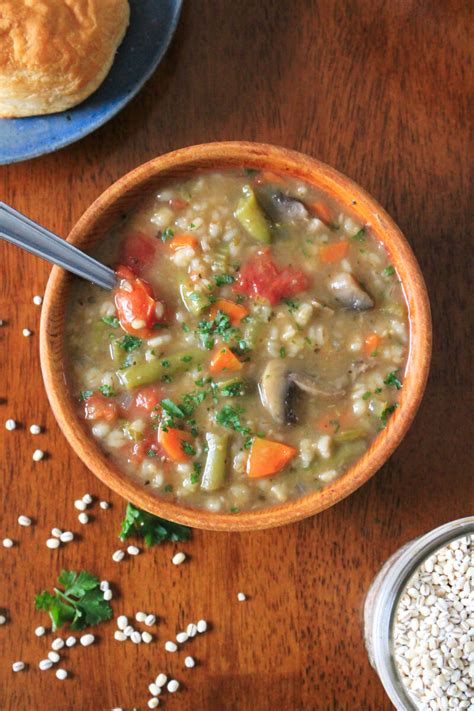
(383, 92)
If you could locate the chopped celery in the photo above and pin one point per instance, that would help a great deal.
(251, 331)
(151, 371)
(251, 217)
(194, 301)
(214, 471)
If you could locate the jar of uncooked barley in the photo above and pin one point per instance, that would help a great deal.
(419, 621)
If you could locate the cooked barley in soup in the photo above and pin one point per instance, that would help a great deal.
(253, 348)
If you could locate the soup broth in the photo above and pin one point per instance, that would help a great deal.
(253, 349)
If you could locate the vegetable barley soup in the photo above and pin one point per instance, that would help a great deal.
(253, 349)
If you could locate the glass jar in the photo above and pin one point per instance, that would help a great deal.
(382, 599)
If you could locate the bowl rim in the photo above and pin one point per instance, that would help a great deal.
(218, 156)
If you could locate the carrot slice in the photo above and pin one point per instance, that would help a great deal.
(172, 440)
(224, 359)
(268, 457)
(371, 344)
(184, 240)
(321, 210)
(236, 312)
(334, 252)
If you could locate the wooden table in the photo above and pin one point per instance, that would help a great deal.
(380, 90)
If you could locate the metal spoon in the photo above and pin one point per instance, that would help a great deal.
(20, 230)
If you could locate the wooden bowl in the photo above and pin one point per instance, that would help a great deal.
(127, 193)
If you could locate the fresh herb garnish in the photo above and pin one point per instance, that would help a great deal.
(111, 321)
(81, 603)
(292, 304)
(188, 448)
(152, 529)
(230, 417)
(107, 391)
(151, 453)
(168, 488)
(389, 271)
(392, 380)
(86, 394)
(233, 389)
(386, 412)
(185, 327)
(222, 279)
(172, 409)
(378, 390)
(282, 352)
(360, 235)
(366, 395)
(167, 234)
(129, 343)
(196, 475)
(234, 509)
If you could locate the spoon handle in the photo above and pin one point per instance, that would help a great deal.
(23, 232)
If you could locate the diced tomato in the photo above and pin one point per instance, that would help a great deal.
(260, 277)
(135, 302)
(147, 398)
(99, 407)
(178, 203)
(138, 451)
(138, 251)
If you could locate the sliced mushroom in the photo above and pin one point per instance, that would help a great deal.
(275, 391)
(278, 388)
(313, 386)
(278, 206)
(348, 292)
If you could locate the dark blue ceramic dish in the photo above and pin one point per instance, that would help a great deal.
(152, 25)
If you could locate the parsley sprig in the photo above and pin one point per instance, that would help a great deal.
(80, 604)
(152, 529)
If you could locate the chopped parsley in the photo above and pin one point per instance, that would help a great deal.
(292, 304)
(111, 321)
(360, 235)
(389, 271)
(282, 352)
(196, 475)
(129, 343)
(172, 409)
(80, 604)
(378, 390)
(168, 233)
(165, 363)
(185, 327)
(230, 417)
(152, 529)
(234, 509)
(219, 326)
(222, 279)
(188, 448)
(366, 395)
(393, 380)
(151, 453)
(386, 412)
(107, 391)
(233, 389)
(86, 394)
(168, 489)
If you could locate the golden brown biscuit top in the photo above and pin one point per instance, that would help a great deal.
(66, 38)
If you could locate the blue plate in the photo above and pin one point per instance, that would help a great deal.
(152, 25)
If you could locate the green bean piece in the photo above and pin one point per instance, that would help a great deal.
(214, 471)
(251, 217)
(194, 301)
(151, 371)
(116, 353)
